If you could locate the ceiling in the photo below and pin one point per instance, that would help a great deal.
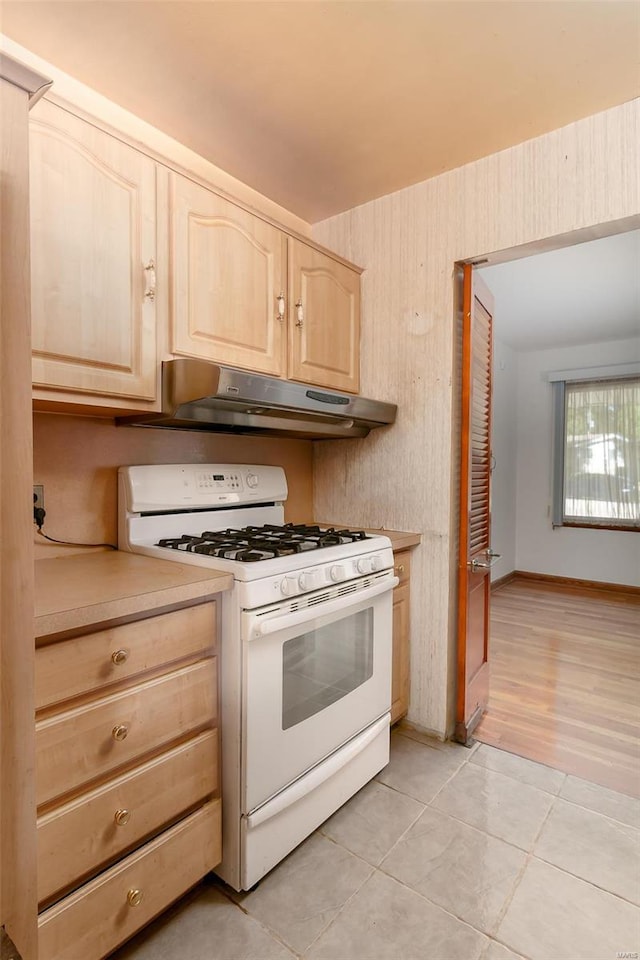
(589, 293)
(322, 106)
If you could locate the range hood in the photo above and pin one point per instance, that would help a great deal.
(199, 395)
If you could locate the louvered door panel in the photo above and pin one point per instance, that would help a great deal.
(479, 506)
(474, 581)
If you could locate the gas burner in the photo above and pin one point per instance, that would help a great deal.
(254, 543)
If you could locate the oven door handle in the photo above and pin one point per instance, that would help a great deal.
(267, 627)
(309, 782)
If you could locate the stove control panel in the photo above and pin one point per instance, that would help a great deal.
(231, 482)
(151, 488)
(321, 576)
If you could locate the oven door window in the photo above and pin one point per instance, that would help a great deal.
(324, 665)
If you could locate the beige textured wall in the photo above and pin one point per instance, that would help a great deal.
(77, 458)
(583, 174)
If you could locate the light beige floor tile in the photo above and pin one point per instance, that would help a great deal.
(592, 847)
(618, 806)
(304, 893)
(386, 921)
(497, 804)
(495, 951)
(534, 774)
(449, 746)
(372, 821)
(419, 770)
(554, 916)
(207, 927)
(465, 871)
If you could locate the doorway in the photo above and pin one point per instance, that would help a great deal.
(559, 687)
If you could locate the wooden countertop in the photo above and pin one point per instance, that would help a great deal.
(400, 539)
(82, 591)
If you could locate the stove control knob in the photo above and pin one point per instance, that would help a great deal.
(376, 564)
(338, 573)
(289, 586)
(310, 580)
(364, 565)
(252, 480)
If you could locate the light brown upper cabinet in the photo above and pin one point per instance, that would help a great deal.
(93, 250)
(228, 282)
(232, 286)
(237, 298)
(324, 307)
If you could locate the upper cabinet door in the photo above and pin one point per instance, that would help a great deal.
(228, 282)
(93, 249)
(324, 305)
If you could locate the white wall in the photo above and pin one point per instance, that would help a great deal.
(604, 555)
(504, 450)
(584, 174)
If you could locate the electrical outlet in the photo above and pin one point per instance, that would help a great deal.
(38, 495)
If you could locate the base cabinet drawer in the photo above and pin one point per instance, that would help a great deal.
(87, 742)
(101, 915)
(69, 668)
(79, 837)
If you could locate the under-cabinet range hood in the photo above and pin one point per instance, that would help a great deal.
(199, 395)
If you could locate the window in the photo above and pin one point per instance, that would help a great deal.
(597, 453)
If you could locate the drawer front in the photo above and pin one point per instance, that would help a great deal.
(402, 565)
(95, 919)
(87, 742)
(83, 664)
(94, 828)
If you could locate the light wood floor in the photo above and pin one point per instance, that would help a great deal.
(565, 681)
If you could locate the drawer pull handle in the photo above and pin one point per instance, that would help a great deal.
(134, 897)
(121, 817)
(120, 656)
(150, 292)
(120, 731)
(400, 568)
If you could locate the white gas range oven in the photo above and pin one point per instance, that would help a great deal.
(305, 653)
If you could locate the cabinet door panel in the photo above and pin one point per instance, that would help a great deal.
(93, 213)
(227, 275)
(400, 663)
(325, 340)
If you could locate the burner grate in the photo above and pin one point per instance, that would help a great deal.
(252, 543)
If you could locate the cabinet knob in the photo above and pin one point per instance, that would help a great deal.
(299, 313)
(280, 299)
(122, 817)
(120, 731)
(400, 568)
(120, 656)
(134, 897)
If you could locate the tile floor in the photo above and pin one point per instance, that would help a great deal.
(449, 854)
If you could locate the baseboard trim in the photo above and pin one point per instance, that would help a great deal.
(620, 589)
(503, 581)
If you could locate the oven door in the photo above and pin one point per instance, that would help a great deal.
(317, 672)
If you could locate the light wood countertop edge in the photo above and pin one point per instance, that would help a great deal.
(80, 592)
(400, 539)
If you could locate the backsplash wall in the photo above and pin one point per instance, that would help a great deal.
(77, 459)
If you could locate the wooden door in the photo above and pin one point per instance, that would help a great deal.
(228, 277)
(475, 554)
(324, 311)
(93, 233)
